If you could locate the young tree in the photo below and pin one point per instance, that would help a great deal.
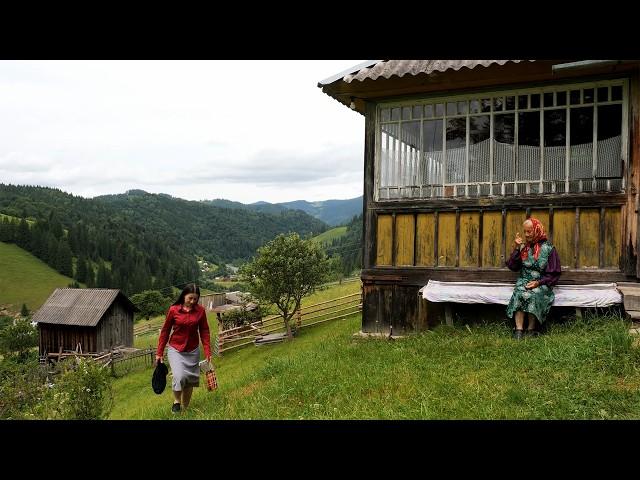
(18, 339)
(24, 312)
(151, 303)
(284, 271)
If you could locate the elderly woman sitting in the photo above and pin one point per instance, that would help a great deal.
(539, 266)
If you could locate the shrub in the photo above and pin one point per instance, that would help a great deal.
(81, 392)
(241, 316)
(22, 387)
(18, 339)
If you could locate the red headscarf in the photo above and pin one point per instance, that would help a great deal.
(538, 235)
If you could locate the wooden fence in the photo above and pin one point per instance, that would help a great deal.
(334, 309)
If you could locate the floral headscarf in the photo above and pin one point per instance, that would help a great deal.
(538, 235)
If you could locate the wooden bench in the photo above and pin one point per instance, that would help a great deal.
(596, 295)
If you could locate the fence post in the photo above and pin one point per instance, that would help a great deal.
(113, 368)
(299, 319)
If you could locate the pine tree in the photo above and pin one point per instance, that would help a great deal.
(24, 311)
(81, 269)
(64, 262)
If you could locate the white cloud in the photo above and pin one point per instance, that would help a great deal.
(242, 130)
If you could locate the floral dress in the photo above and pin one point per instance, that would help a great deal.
(537, 300)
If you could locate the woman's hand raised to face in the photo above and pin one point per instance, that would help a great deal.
(517, 242)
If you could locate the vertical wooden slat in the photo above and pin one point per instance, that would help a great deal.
(469, 239)
(563, 235)
(425, 239)
(602, 238)
(589, 239)
(447, 239)
(404, 239)
(543, 216)
(612, 248)
(514, 221)
(492, 239)
(384, 239)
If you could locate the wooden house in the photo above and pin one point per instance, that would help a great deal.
(97, 319)
(458, 153)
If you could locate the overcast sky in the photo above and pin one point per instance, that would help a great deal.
(241, 130)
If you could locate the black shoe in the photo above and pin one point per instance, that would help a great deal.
(533, 333)
(517, 335)
(175, 408)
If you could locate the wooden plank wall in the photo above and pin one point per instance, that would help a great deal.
(115, 327)
(585, 238)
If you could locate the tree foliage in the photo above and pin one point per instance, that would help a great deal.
(151, 303)
(285, 270)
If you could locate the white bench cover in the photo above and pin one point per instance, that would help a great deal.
(591, 295)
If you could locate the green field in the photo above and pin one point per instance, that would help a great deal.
(327, 237)
(582, 369)
(26, 279)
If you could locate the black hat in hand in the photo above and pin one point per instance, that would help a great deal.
(159, 379)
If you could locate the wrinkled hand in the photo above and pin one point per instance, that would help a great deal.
(209, 359)
(517, 242)
(158, 359)
(532, 284)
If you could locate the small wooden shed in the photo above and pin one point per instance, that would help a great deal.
(458, 153)
(95, 318)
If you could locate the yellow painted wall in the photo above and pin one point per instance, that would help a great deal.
(492, 239)
(589, 238)
(564, 225)
(403, 242)
(447, 239)
(383, 255)
(612, 246)
(469, 239)
(425, 240)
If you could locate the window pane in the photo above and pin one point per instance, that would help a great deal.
(504, 136)
(587, 94)
(474, 106)
(529, 145)
(485, 104)
(603, 94)
(479, 148)
(386, 115)
(510, 103)
(523, 102)
(409, 155)
(406, 113)
(574, 97)
(428, 111)
(616, 93)
(432, 152)
(388, 154)
(561, 98)
(581, 139)
(498, 103)
(456, 149)
(462, 108)
(548, 99)
(609, 137)
(451, 108)
(535, 100)
(555, 149)
(439, 109)
(417, 111)
(395, 113)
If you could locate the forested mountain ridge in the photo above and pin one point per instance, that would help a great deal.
(332, 212)
(136, 240)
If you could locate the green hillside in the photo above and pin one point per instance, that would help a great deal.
(327, 237)
(26, 279)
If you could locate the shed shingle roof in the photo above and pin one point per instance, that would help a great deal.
(78, 306)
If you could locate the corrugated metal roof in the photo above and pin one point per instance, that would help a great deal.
(389, 68)
(77, 306)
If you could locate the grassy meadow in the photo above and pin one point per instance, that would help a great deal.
(25, 278)
(580, 369)
(327, 237)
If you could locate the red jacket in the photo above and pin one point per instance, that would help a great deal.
(186, 326)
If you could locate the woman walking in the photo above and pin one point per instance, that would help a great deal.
(188, 319)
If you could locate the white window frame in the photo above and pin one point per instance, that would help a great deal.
(525, 185)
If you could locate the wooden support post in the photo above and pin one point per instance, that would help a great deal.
(448, 314)
(298, 319)
(579, 312)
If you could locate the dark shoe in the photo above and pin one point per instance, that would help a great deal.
(517, 335)
(175, 408)
(533, 333)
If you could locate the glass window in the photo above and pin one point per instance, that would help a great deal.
(581, 141)
(528, 145)
(535, 100)
(523, 102)
(439, 109)
(616, 93)
(555, 144)
(587, 95)
(609, 141)
(385, 115)
(498, 104)
(417, 111)
(485, 103)
(548, 99)
(432, 152)
(456, 150)
(462, 108)
(510, 103)
(561, 98)
(451, 108)
(603, 94)
(406, 113)
(428, 111)
(395, 114)
(474, 106)
(503, 153)
(479, 148)
(574, 97)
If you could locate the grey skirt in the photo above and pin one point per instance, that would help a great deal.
(184, 368)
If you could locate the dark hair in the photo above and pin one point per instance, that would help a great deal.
(190, 288)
